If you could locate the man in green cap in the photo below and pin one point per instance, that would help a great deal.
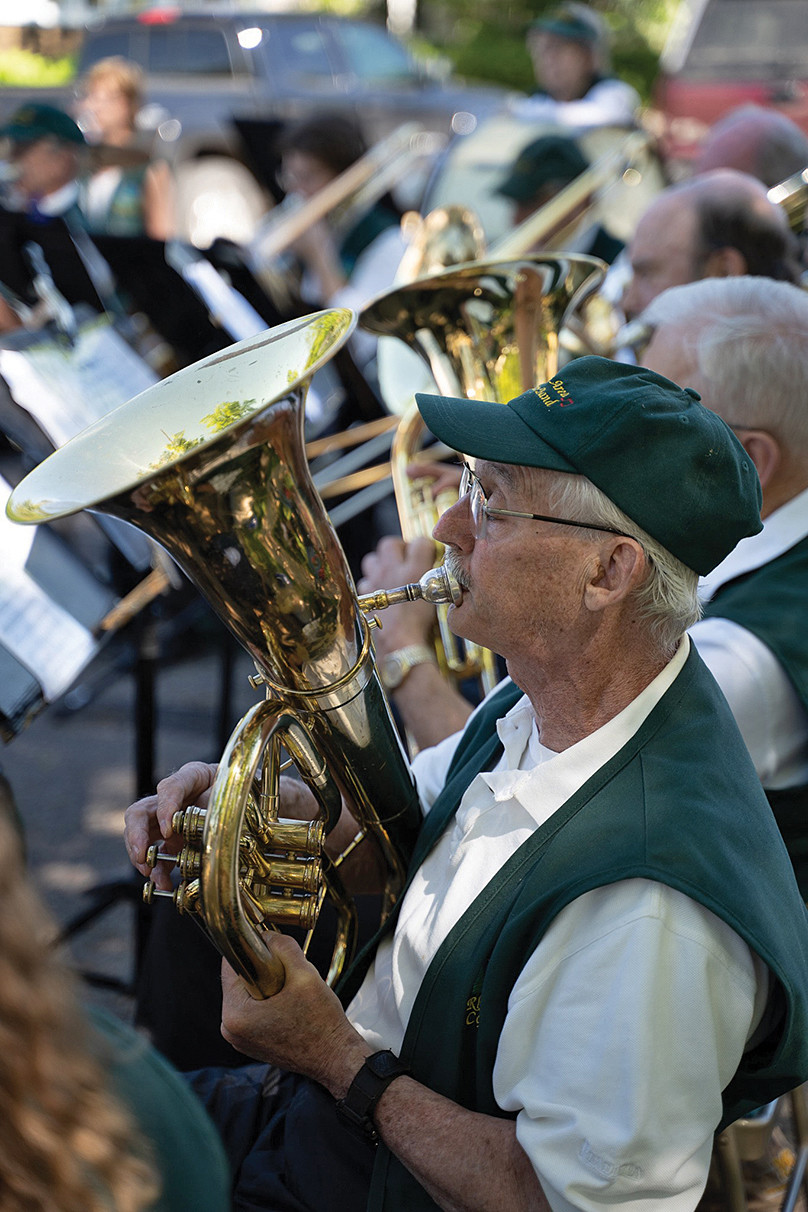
(592, 966)
(569, 48)
(45, 153)
(542, 169)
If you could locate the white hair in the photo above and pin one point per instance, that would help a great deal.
(748, 341)
(668, 597)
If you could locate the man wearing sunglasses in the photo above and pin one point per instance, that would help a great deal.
(594, 964)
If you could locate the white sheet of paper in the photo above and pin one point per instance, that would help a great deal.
(43, 636)
(66, 388)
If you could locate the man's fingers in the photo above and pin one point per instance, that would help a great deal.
(185, 786)
(137, 835)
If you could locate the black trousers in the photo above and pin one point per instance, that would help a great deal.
(288, 1150)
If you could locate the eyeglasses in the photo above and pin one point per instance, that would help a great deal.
(481, 511)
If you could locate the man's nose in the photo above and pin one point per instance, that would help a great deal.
(453, 527)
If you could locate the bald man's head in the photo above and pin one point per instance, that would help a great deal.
(720, 224)
(762, 142)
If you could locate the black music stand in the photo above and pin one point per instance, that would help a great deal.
(150, 285)
(67, 610)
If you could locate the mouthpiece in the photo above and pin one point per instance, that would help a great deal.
(437, 586)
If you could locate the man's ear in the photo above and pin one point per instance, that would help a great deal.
(764, 451)
(621, 565)
(725, 263)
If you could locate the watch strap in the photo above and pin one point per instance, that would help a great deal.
(357, 1107)
(395, 667)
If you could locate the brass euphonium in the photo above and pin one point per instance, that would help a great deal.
(488, 330)
(210, 463)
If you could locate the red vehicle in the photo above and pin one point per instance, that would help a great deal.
(726, 53)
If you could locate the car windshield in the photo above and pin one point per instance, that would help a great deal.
(113, 42)
(188, 51)
(297, 51)
(761, 38)
(372, 55)
(185, 50)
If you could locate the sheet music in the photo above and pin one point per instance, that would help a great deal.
(39, 633)
(238, 317)
(67, 388)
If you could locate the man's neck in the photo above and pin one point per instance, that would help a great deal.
(572, 702)
(782, 489)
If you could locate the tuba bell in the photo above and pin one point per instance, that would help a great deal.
(487, 330)
(210, 463)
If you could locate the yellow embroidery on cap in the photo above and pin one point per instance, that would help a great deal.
(561, 397)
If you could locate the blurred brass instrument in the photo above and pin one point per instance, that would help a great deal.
(210, 463)
(350, 194)
(487, 330)
(452, 235)
(553, 224)
(792, 195)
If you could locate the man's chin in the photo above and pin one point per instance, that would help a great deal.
(461, 620)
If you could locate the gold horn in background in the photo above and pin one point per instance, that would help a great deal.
(792, 195)
(488, 331)
(210, 463)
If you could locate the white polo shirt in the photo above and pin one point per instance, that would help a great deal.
(767, 709)
(628, 1019)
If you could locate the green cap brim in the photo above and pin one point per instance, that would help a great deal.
(488, 431)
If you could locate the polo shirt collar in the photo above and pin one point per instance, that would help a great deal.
(553, 777)
(781, 531)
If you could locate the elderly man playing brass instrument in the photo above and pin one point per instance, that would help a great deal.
(594, 964)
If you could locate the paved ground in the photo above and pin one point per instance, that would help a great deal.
(73, 774)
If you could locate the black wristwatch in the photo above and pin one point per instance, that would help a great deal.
(370, 1083)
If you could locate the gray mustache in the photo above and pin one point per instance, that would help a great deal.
(452, 561)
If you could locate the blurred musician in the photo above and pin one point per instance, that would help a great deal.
(45, 154)
(717, 225)
(134, 196)
(121, 276)
(561, 979)
(540, 171)
(342, 266)
(765, 143)
(569, 49)
(41, 206)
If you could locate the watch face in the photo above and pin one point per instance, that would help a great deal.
(386, 1064)
(391, 671)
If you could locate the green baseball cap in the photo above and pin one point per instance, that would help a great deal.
(673, 466)
(38, 121)
(549, 158)
(573, 22)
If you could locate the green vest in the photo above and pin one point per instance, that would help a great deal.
(679, 803)
(187, 1150)
(377, 220)
(771, 603)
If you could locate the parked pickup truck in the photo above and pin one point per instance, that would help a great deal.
(219, 86)
(722, 54)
